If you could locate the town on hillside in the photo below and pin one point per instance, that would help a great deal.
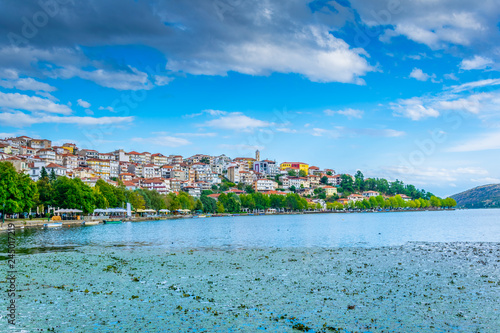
(199, 173)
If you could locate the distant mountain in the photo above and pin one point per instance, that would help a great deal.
(486, 196)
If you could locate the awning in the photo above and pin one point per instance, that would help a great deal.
(110, 210)
(146, 211)
(68, 211)
(164, 211)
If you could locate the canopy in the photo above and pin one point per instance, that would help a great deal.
(68, 211)
(183, 210)
(110, 210)
(164, 211)
(146, 211)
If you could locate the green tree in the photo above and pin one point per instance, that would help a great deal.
(52, 176)
(198, 205)
(17, 191)
(44, 174)
(324, 180)
(292, 173)
(302, 173)
(220, 208)
(346, 183)
(359, 181)
(205, 160)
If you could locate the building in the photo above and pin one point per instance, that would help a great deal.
(355, 197)
(159, 159)
(59, 170)
(246, 163)
(369, 194)
(70, 161)
(48, 155)
(329, 190)
(39, 143)
(261, 185)
(19, 164)
(295, 166)
(233, 174)
(266, 167)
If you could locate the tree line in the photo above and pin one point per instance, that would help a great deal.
(20, 194)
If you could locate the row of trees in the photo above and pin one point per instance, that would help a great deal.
(20, 194)
(381, 185)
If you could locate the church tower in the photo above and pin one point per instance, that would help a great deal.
(257, 155)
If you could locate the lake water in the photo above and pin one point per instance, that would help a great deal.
(314, 230)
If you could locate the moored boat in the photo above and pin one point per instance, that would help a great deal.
(87, 223)
(112, 221)
(52, 225)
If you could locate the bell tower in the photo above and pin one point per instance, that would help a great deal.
(257, 155)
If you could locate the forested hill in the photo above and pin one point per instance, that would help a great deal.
(486, 196)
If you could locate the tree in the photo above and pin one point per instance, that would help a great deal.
(220, 208)
(73, 193)
(52, 176)
(324, 180)
(292, 188)
(292, 173)
(249, 189)
(205, 160)
(43, 173)
(17, 191)
(359, 181)
(209, 204)
(302, 173)
(198, 205)
(346, 184)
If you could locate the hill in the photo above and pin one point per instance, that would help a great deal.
(485, 196)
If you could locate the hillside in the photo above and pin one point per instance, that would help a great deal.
(486, 196)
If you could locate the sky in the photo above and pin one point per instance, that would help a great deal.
(399, 89)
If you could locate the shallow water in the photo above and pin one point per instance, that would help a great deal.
(281, 231)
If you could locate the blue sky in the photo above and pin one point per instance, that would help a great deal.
(405, 90)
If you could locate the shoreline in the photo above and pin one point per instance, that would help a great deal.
(38, 223)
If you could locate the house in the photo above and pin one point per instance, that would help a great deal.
(159, 185)
(299, 182)
(126, 176)
(247, 177)
(101, 167)
(70, 147)
(19, 164)
(369, 194)
(314, 180)
(295, 166)
(82, 172)
(192, 191)
(159, 159)
(48, 155)
(266, 167)
(70, 161)
(136, 157)
(233, 174)
(261, 185)
(59, 170)
(5, 148)
(151, 171)
(343, 201)
(405, 197)
(355, 197)
(245, 163)
(329, 190)
(39, 143)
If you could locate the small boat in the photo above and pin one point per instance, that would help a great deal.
(201, 216)
(87, 223)
(52, 225)
(112, 221)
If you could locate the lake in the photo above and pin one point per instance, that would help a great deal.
(280, 231)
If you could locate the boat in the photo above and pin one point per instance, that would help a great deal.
(52, 225)
(87, 223)
(201, 216)
(112, 221)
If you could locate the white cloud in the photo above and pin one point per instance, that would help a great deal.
(486, 180)
(109, 108)
(83, 103)
(413, 108)
(475, 84)
(120, 80)
(286, 130)
(206, 135)
(207, 111)
(451, 76)
(27, 84)
(325, 133)
(20, 119)
(166, 141)
(489, 141)
(350, 113)
(237, 121)
(162, 80)
(477, 62)
(419, 75)
(18, 101)
(312, 52)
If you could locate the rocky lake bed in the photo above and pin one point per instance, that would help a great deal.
(416, 287)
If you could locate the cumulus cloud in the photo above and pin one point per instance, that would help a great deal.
(18, 101)
(237, 121)
(27, 84)
(477, 62)
(413, 108)
(419, 75)
(20, 119)
(83, 103)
